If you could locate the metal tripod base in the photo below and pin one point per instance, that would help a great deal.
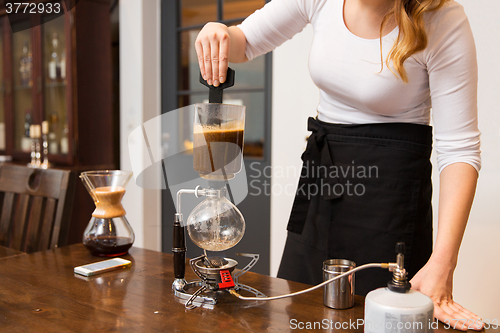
(198, 300)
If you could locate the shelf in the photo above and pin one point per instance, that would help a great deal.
(55, 84)
(47, 85)
(22, 87)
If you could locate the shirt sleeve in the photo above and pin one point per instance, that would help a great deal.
(275, 23)
(452, 67)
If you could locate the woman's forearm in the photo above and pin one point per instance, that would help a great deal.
(457, 188)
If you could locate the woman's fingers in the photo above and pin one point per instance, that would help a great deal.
(445, 315)
(214, 56)
(458, 308)
(473, 321)
(201, 58)
(212, 49)
(455, 316)
(223, 58)
(207, 60)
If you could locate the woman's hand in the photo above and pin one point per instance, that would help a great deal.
(212, 48)
(216, 45)
(435, 280)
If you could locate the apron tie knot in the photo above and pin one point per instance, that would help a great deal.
(318, 158)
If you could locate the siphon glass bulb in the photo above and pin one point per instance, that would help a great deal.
(216, 224)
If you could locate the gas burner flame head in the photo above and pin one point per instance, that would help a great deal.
(215, 262)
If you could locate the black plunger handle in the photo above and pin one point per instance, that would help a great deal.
(215, 93)
(179, 250)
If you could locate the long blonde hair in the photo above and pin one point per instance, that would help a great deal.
(412, 37)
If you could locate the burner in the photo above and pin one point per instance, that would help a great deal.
(216, 278)
(216, 262)
(213, 280)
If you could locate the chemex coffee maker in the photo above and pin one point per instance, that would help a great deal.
(108, 233)
(215, 224)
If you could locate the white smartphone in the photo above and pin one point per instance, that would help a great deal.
(102, 266)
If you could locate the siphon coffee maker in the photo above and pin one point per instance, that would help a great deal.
(215, 224)
(108, 233)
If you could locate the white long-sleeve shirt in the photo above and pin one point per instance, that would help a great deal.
(353, 89)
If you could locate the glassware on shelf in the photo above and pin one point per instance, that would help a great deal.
(2, 135)
(33, 149)
(52, 137)
(22, 65)
(35, 133)
(26, 138)
(53, 144)
(63, 65)
(38, 152)
(54, 67)
(108, 233)
(20, 86)
(26, 66)
(55, 104)
(64, 140)
(45, 145)
(27, 123)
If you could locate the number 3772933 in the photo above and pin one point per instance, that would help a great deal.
(33, 8)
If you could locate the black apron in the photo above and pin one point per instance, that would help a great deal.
(362, 189)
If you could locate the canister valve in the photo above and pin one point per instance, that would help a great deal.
(399, 282)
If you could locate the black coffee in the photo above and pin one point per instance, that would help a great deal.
(221, 154)
(108, 246)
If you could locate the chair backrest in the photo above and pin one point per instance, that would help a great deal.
(35, 207)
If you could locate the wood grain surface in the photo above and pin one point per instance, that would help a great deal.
(40, 293)
(6, 252)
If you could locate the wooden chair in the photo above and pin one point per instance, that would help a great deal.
(35, 207)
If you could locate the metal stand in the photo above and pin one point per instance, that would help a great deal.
(214, 278)
(207, 284)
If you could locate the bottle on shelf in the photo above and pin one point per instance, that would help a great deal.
(23, 66)
(30, 68)
(63, 65)
(64, 140)
(32, 164)
(35, 133)
(26, 138)
(54, 63)
(38, 152)
(45, 145)
(2, 136)
(26, 66)
(52, 137)
(27, 123)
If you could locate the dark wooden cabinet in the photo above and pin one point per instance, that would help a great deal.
(58, 69)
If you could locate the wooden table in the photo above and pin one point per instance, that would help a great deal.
(6, 252)
(40, 293)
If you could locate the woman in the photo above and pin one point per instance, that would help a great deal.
(380, 65)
